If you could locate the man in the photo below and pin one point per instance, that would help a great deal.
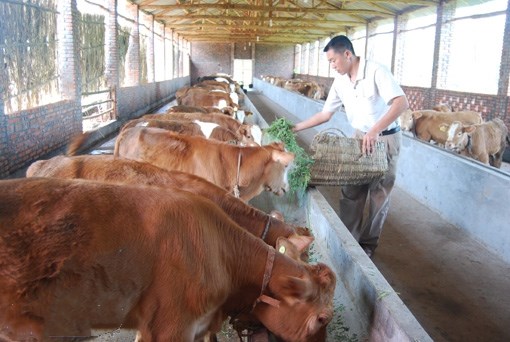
(373, 101)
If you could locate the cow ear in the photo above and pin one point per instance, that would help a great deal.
(469, 129)
(242, 130)
(301, 242)
(294, 289)
(284, 158)
(324, 274)
(286, 247)
(417, 115)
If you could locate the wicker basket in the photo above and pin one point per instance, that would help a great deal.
(338, 160)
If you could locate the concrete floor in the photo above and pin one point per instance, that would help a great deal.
(455, 287)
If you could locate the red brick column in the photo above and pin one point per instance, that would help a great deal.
(4, 139)
(504, 74)
(133, 54)
(169, 54)
(112, 45)
(150, 49)
(68, 57)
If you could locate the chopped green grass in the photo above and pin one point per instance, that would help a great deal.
(299, 175)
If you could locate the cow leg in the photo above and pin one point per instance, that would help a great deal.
(484, 158)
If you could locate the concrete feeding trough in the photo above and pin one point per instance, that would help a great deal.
(366, 306)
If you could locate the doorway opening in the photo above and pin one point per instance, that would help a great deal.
(243, 72)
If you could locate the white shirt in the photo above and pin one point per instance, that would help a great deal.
(368, 98)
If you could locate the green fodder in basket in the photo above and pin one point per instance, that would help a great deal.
(299, 176)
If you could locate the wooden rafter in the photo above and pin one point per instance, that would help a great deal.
(285, 21)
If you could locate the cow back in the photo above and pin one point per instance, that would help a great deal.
(119, 170)
(107, 254)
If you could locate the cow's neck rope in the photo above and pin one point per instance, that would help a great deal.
(266, 228)
(267, 275)
(237, 193)
(468, 145)
(241, 326)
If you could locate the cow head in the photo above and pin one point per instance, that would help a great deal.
(458, 135)
(407, 120)
(305, 303)
(250, 135)
(276, 170)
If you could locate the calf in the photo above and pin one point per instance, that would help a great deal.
(427, 124)
(485, 142)
(246, 171)
(209, 98)
(207, 130)
(252, 133)
(77, 255)
(125, 171)
(200, 109)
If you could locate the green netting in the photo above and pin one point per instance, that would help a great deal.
(92, 52)
(29, 50)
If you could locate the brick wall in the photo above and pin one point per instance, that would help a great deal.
(276, 60)
(209, 58)
(36, 132)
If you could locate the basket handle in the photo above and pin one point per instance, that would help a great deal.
(334, 129)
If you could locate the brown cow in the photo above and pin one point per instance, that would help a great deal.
(193, 109)
(248, 170)
(253, 133)
(207, 130)
(485, 142)
(426, 124)
(119, 170)
(197, 96)
(77, 255)
(201, 109)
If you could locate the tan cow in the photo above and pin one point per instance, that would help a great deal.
(197, 96)
(252, 133)
(485, 142)
(77, 255)
(427, 124)
(120, 170)
(246, 170)
(193, 109)
(207, 130)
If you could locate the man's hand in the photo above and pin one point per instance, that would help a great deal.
(368, 145)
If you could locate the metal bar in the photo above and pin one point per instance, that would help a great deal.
(95, 103)
(98, 114)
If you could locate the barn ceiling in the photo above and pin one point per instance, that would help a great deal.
(271, 21)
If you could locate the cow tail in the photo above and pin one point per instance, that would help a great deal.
(77, 143)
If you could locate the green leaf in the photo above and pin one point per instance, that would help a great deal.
(299, 175)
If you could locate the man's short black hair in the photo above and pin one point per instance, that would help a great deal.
(340, 44)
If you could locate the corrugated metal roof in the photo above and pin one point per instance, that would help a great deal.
(272, 21)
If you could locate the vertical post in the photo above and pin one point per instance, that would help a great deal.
(169, 54)
(150, 50)
(504, 72)
(68, 57)
(4, 140)
(437, 44)
(112, 54)
(133, 53)
(112, 45)
(400, 46)
(394, 44)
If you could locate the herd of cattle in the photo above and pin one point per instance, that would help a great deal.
(463, 132)
(309, 89)
(159, 237)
